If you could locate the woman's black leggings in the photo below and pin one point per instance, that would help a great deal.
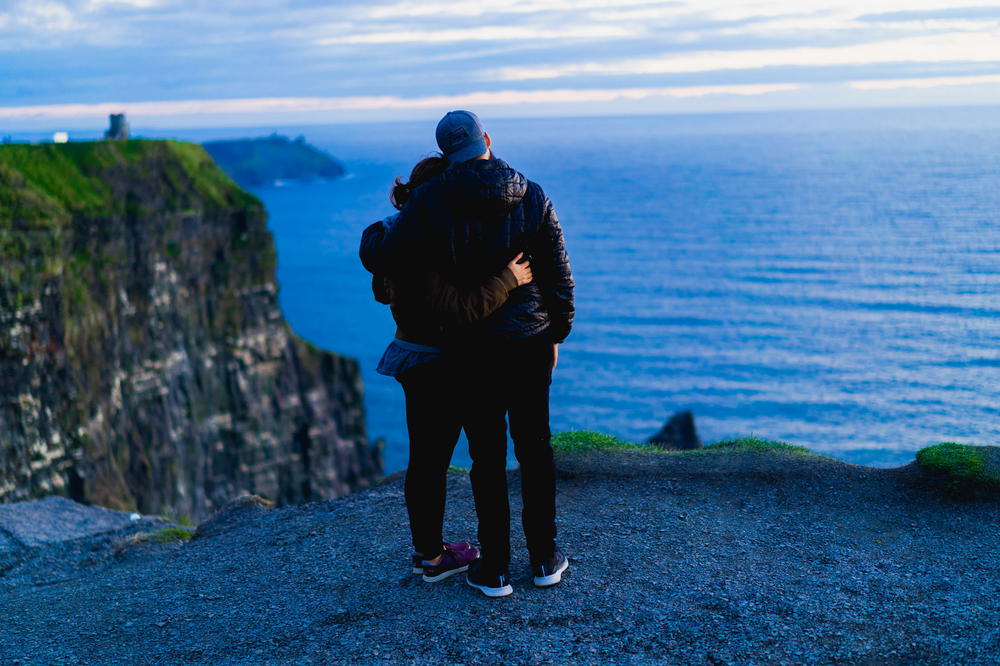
(433, 420)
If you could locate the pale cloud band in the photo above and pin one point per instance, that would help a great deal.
(929, 82)
(485, 33)
(952, 47)
(362, 103)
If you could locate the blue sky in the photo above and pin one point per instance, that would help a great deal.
(246, 62)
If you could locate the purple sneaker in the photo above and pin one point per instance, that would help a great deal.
(452, 562)
(418, 558)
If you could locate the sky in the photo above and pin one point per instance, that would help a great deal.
(205, 63)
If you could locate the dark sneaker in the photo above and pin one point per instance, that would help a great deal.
(490, 584)
(549, 571)
(418, 558)
(452, 562)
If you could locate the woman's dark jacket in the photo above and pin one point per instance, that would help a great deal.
(470, 222)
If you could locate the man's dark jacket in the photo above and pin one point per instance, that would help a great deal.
(468, 223)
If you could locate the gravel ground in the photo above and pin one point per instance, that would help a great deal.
(723, 558)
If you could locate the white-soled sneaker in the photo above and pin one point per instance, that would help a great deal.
(549, 571)
(491, 584)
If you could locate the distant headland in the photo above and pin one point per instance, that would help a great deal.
(276, 158)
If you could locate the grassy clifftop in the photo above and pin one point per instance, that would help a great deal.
(46, 182)
(960, 468)
(47, 188)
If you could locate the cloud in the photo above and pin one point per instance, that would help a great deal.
(98, 5)
(482, 7)
(46, 15)
(364, 103)
(478, 34)
(934, 49)
(928, 82)
(67, 51)
(979, 12)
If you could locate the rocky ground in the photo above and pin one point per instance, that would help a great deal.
(711, 557)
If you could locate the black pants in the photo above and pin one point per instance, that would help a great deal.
(512, 379)
(433, 420)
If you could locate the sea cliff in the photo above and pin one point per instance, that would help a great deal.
(144, 361)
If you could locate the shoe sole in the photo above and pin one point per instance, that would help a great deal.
(492, 592)
(445, 574)
(553, 578)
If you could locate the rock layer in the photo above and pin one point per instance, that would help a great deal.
(144, 361)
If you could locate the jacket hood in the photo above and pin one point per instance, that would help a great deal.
(489, 186)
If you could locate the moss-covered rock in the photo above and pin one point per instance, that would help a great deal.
(962, 466)
(144, 362)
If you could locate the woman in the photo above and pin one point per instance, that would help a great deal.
(426, 307)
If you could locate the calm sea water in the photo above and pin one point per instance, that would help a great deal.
(826, 279)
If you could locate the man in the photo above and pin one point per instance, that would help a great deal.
(471, 220)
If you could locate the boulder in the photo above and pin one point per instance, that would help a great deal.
(679, 433)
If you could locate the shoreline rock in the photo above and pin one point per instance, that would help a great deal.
(679, 433)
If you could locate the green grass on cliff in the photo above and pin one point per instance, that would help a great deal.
(583, 441)
(77, 176)
(752, 444)
(961, 465)
(165, 535)
(58, 203)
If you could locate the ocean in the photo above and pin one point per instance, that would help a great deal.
(828, 279)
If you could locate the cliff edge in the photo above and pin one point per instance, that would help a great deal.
(745, 553)
(144, 361)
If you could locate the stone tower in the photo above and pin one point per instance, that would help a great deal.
(119, 128)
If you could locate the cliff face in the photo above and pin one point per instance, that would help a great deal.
(144, 362)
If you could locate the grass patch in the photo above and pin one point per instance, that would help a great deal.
(756, 444)
(455, 469)
(181, 519)
(585, 441)
(962, 465)
(73, 177)
(166, 535)
(169, 534)
(582, 441)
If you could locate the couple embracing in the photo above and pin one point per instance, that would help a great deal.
(476, 275)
